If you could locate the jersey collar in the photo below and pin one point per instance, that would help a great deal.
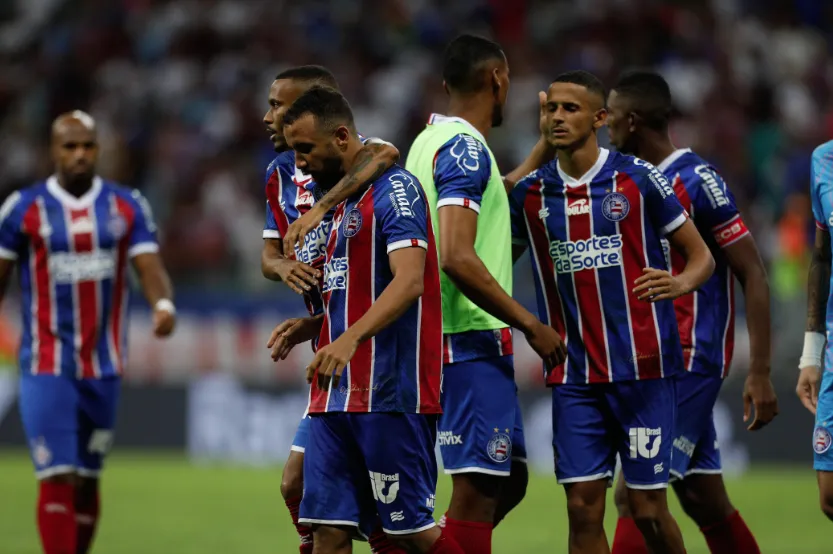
(673, 157)
(591, 173)
(439, 119)
(71, 201)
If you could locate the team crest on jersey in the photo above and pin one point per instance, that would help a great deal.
(499, 448)
(615, 207)
(352, 223)
(821, 440)
(40, 452)
(117, 227)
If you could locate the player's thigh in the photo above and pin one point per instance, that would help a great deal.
(475, 432)
(336, 491)
(98, 401)
(402, 473)
(645, 414)
(48, 409)
(822, 438)
(695, 449)
(583, 446)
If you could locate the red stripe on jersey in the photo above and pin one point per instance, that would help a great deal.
(119, 300)
(44, 341)
(506, 345)
(821, 226)
(685, 306)
(360, 253)
(274, 189)
(586, 283)
(430, 366)
(729, 332)
(730, 232)
(534, 207)
(635, 259)
(86, 294)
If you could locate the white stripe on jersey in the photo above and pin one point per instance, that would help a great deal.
(730, 284)
(372, 300)
(418, 337)
(95, 359)
(599, 292)
(647, 262)
(114, 294)
(349, 365)
(627, 296)
(575, 291)
(76, 314)
(53, 299)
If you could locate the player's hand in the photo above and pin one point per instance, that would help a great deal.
(298, 229)
(808, 387)
(759, 393)
(164, 322)
(293, 331)
(657, 284)
(548, 344)
(300, 277)
(330, 361)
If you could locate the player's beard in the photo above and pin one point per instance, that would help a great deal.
(332, 170)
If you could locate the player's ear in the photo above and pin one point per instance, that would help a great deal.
(495, 82)
(600, 119)
(342, 136)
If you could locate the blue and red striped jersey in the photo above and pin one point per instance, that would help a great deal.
(589, 240)
(706, 317)
(72, 255)
(399, 369)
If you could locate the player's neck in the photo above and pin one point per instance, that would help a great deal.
(477, 113)
(577, 162)
(656, 149)
(77, 187)
(353, 148)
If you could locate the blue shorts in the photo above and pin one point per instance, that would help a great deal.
(68, 422)
(593, 423)
(299, 443)
(822, 440)
(481, 429)
(363, 467)
(695, 437)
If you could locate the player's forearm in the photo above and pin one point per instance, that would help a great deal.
(154, 279)
(403, 290)
(474, 280)
(270, 266)
(818, 283)
(699, 267)
(369, 164)
(541, 153)
(756, 295)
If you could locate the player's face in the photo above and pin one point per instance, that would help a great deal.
(317, 152)
(500, 86)
(74, 151)
(572, 114)
(620, 124)
(282, 94)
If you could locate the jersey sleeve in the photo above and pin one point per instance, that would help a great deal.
(821, 179)
(270, 228)
(12, 238)
(714, 205)
(664, 208)
(402, 215)
(517, 218)
(462, 169)
(143, 234)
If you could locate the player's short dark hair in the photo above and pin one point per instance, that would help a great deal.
(328, 106)
(463, 61)
(584, 79)
(312, 74)
(650, 96)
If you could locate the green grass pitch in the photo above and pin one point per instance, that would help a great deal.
(162, 504)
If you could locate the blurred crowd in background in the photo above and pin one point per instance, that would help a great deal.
(179, 87)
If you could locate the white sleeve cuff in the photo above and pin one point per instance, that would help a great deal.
(271, 234)
(143, 248)
(407, 243)
(674, 225)
(376, 140)
(464, 202)
(7, 254)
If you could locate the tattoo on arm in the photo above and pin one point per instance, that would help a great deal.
(818, 283)
(360, 175)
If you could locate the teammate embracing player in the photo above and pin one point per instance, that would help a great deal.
(639, 109)
(72, 237)
(594, 220)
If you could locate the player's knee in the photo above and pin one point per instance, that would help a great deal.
(586, 505)
(704, 501)
(60, 479)
(620, 498)
(515, 488)
(647, 505)
(827, 504)
(332, 540)
(292, 480)
(86, 491)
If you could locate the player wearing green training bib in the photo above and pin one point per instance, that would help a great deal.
(481, 430)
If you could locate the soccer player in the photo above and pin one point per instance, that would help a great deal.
(72, 236)
(375, 378)
(289, 194)
(815, 390)
(593, 220)
(481, 430)
(639, 107)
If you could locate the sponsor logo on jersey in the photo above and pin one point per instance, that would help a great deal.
(544, 213)
(352, 223)
(711, 186)
(578, 207)
(466, 152)
(380, 482)
(314, 248)
(684, 445)
(821, 440)
(335, 275)
(75, 267)
(429, 502)
(499, 448)
(40, 452)
(615, 207)
(593, 253)
(657, 179)
(116, 226)
(81, 225)
(448, 438)
(100, 441)
(400, 197)
(644, 442)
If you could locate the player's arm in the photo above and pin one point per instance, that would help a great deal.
(818, 293)
(375, 157)
(291, 332)
(541, 153)
(12, 238)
